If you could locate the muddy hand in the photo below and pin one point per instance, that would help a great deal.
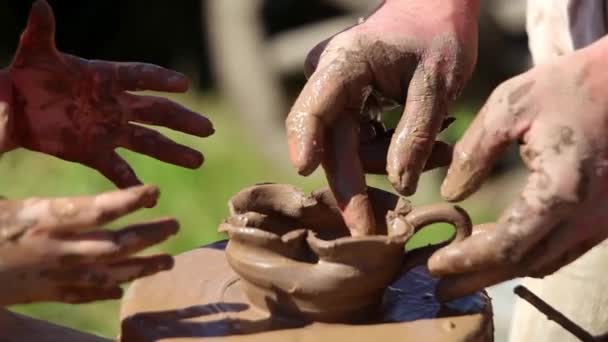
(81, 110)
(53, 249)
(416, 53)
(558, 113)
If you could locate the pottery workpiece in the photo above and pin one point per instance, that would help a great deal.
(290, 272)
(200, 299)
(296, 257)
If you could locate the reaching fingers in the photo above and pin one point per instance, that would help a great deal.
(333, 89)
(346, 177)
(111, 274)
(108, 245)
(83, 213)
(48, 291)
(502, 120)
(143, 76)
(413, 140)
(79, 295)
(154, 144)
(115, 168)
(160, 111)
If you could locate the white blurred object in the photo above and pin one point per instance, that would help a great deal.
(578, 290)
(249, 65)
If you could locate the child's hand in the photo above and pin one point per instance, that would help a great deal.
(81, 111)
(51, 249)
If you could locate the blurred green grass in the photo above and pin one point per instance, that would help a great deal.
(197, 198)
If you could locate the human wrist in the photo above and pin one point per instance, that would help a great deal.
(458, 16)
(6, 99)
(467, 7)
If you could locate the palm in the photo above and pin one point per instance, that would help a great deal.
(80, 110)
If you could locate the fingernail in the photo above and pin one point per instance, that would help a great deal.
(302, 165)
(297, 157)
(149, 195)
(406, 184)
(434, 263)
(150, 190)
(178, 81)
(115, 293)
(172, 226)
(211, 131)
(459, 181)
(454, 185)
(166, 263)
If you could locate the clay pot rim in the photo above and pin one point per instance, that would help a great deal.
(229, 228)
(312, 236)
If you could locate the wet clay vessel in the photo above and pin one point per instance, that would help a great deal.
(296, 256)
(291, 272)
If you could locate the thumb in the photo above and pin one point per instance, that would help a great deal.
(498, 124)
(40, 30)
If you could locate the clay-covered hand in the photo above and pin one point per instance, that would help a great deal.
(415, 53)
(81, 110)
(559, 114)
(53, 250)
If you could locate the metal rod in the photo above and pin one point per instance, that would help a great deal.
(553, 315)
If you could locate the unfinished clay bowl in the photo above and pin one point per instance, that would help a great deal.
(296, 257)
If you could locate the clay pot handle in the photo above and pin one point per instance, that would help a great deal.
(422, 217)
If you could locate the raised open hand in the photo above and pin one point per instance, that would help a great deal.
(418, 53)
(52, 249)
(559, 114)
(81, 111)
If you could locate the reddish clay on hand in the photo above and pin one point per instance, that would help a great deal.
(557, 112)
(201, 299)
(81, 111)
(53, 250)
(296, 256)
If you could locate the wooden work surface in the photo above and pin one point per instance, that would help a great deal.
(200, 300)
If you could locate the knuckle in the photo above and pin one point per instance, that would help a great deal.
(499, 94)
(508, 252)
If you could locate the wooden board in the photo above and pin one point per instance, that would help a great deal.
(200, 300)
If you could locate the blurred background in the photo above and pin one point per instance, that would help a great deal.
(245, 59)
